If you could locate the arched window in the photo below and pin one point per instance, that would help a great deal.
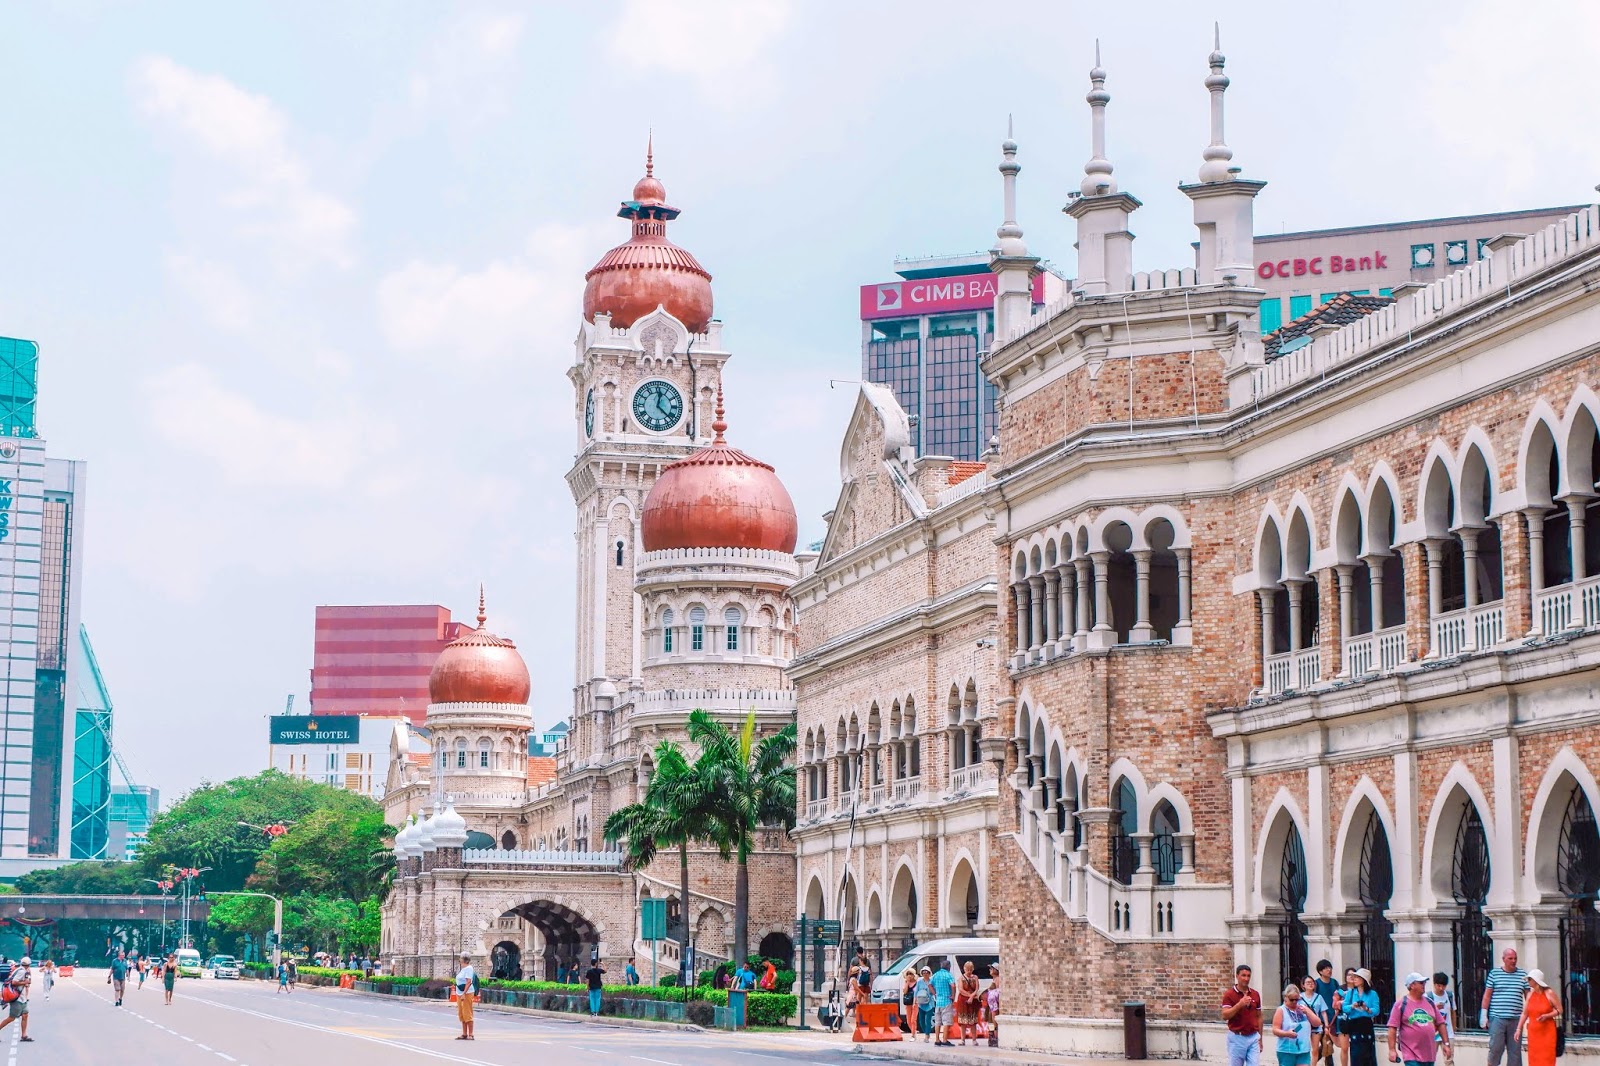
(483, 754)
(1293, 954)
(697, 629)
(1164, 842)
(1473, 947)
(619, 553)
(1578, 878)
(508, 840)
(730, 620)
(666, 631)
(1124, 851)
(461, 755)
(1375, 884)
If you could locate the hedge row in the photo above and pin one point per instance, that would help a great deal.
(764, 1008)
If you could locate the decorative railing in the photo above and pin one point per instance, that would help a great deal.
(816, 808)
(758, 558)
(973, 778)
(906, 788)
(597, 860)
(1486, 279)
(1571, 606)
(1152, 280)
(1375, 653)
(718, 699)
(962, 489)
(1294, 670)
(1469, 629)
(875, 797)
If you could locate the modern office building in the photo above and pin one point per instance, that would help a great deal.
(922, 336)
(346, 751)
(375, 660)
(90, 830)
(1302, 270)
(133, 808)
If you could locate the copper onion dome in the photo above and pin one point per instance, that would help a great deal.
(648, 271)
(479, 667)
(719, 497)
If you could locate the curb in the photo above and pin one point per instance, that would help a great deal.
(554, 1015)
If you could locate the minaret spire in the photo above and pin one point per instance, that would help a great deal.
(720, 426)
(1217, 154)
(1012, 265)
(650, 154)
(483, 616)
(1097, 180)
(1010, 232)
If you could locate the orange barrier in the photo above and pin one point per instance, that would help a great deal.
(64, 971)
(347, 980)
(877, 1021)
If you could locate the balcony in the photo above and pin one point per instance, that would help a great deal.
(875, 797)
(592, 860)
(817, 808)
(1469, 629)
(979, 777)
(907, 788)
(1297, 670)
(1572, 606)
(1375, 653)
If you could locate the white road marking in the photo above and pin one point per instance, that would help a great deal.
(646, 1058)
(202, 1047)
(353, 1036)
(230, 1058)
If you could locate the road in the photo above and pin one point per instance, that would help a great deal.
(248, 1023)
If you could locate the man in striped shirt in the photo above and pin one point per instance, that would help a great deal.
(1504, 990)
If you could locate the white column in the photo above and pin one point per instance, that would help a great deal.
(1469, 559)
(1142, 630)
(1269, 621)
(1375, 574)
(1535, 517)
(1297, 594)
(1576, 503)
(1083, 589)
(1103, 635)
(1035, 612)
(1020, 590)
(1052, 602)
(1066, 576)
(1181, 632)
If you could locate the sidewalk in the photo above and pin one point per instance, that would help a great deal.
(971, 1055)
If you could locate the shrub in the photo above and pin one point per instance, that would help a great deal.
(669, 980)
(435, 988)
(770, 1008)
(700, 1013)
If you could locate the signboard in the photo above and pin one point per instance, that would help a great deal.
(1335, 263)
(818, 930)
(932, 296)
(652, 919)
(315, 729)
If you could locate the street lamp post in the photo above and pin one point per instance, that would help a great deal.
(165, 886)
(277, 920)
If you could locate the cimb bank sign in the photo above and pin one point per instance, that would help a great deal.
(315, 729)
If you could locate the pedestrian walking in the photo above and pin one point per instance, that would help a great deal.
(924, 1000)
(294, 974)
(15, 995)
(1444, 1000)
(47, 977)
(769, 976)
(631, 973)
(595, 978)
(967, 1004)
(1241, 1009)
(117, 977)
(1358, 1019)
(1541, 1020)
(991, 1005)
(140, 967)
(1504, 991)
(466, 993)
(1313, 1004)
(944, 1009)
(908, 1000)
(1328, 990)
(1416, 1028)
(1291, 1024)
(169, 977)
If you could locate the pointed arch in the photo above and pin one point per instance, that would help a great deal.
(1579, 443)
(1124, 768)
(1565, 774)
(904, 899)
(964, 902)
(1297, 544)
(1269, 546)
(1458, 789)
(1283, 814)
(1165, 792)
(1537, 455)
(1364, 797)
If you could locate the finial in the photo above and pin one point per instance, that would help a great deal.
(1097, 180)
(719, 427)
(1010, 233)
(650, 154)
(482, 615)
(1217, 154)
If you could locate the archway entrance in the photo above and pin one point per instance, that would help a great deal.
(1469, 933)
(568, 937)
(779, 948)
(1375, 885)
(505, 961)
(1578, 877)
(1293, 955)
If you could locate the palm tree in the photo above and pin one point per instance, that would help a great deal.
(672, 813)
(751, 785)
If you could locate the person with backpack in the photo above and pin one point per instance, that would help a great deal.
(14, 994)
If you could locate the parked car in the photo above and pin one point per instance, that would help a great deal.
(956, 952)
(189, 962)
(224, 967)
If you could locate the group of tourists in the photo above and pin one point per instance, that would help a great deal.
(946, 1006)
(1321, 1017)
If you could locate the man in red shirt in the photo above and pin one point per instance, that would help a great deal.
(1241, 1009)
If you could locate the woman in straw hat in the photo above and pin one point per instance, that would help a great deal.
(1357, 1013)
(1541, 1019)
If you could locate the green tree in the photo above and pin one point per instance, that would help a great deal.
(366, 932)
(213, 825)
(675, 810)
(89, 878)
(751, 786)
(320, 923)
(329, 853)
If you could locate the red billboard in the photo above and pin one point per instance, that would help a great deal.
(933, 296)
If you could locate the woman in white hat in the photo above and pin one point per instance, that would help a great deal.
(1541, 1020)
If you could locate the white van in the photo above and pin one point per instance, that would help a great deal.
(956, 952)
(188, 962)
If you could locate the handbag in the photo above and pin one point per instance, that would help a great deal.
(9, 994)
(908, 997)
(1561, 1041)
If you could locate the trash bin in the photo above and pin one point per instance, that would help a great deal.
(738, 1001)
(1133, 1036)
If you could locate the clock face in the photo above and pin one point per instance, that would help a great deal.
(657, 406)
(588, 414)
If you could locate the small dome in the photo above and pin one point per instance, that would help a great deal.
(449, 828)
(479, 667)
(413, 835)
(649, 190)
(401, 839)
(718, 497)
(424, 837)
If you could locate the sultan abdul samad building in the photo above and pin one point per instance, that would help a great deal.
(1236, 647)
(685, 558)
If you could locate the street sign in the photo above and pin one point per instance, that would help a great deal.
(652, 919)
(824, 931)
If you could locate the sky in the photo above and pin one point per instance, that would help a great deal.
(305, 276)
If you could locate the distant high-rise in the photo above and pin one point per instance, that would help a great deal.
(133, 808)
(375, 660)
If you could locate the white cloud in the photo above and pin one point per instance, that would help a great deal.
(252, 447)
(216, 289)
(718, 44)
(506, 308)
(464, 70)
(273, 192)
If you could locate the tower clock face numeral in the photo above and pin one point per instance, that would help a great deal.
(588, 414)
(657, 406)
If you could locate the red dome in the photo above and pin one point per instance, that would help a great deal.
(648, 271)
(719, 497)
(479, 667)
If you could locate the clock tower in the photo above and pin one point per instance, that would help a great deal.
(648, 365)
